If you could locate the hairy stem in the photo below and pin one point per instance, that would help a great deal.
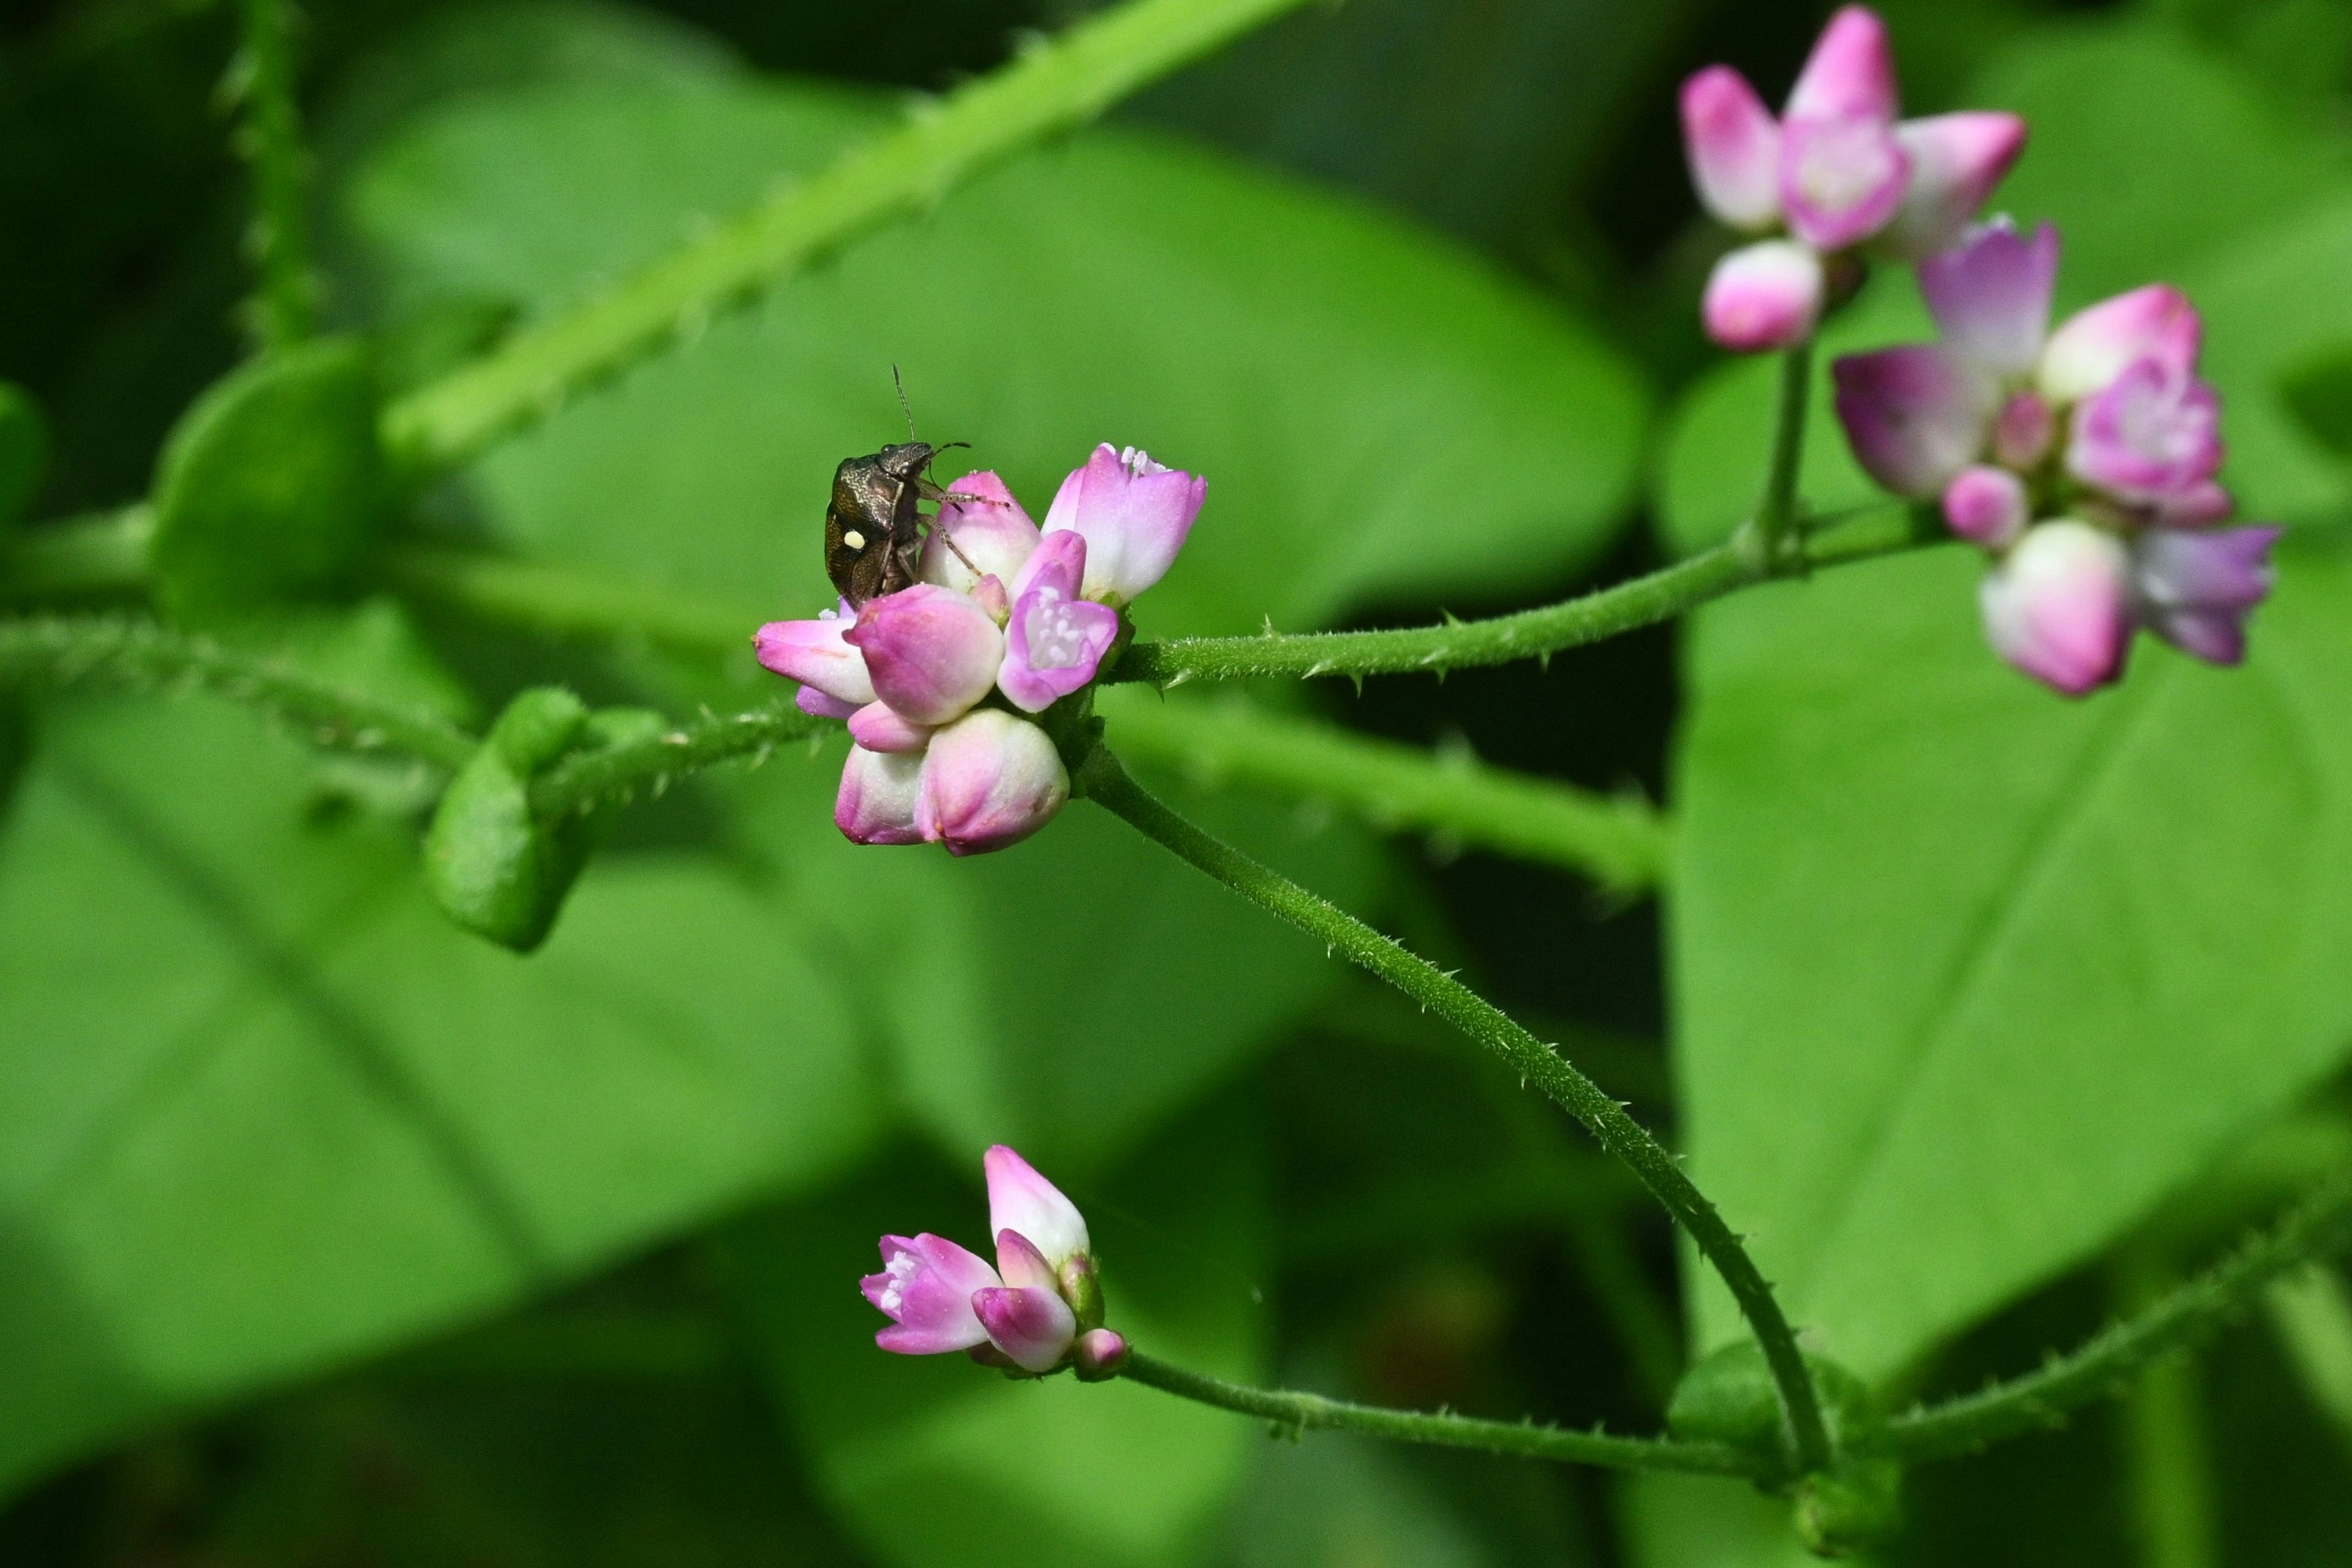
(2317, 1228)
(100, 555)
(1530, 634)
(1618, 841)
(55, 651)
(1776, 515)
(284, 304)
(1104, 781)
(1312, 1412)
(659, 761)
(1050, 88)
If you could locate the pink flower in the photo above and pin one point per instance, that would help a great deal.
(989, 532)
(2195, 590)
(2056, 608)
(1987, 506)
(876, 801)
(816, 654)
(931, 652)
(1915, 416)
(1039, 1309)
(989, 779)
(1837, 170)
(2154, 431)
(1054, 640)
(1135, 515)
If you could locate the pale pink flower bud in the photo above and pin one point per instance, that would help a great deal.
(1022, 1201)
(879, 727)
(991, 531)
(1134, 514)
(926, 1288)
(2151, 432)
(1851, 71)
(1054, 641)
(1734, 147)
(1100, 1354)
(2095, 345)
(1991, 295)
(1763, 296)
(989, 781)
(2022, 431)
(1956, 160)
(2194, 506)
(1020, 1262)
(2057, 607)
(1033, 1326)
(1915, 416)
(930, 651)
(816, 654)
(2195, 590)
(879, 794)
(1986, 506)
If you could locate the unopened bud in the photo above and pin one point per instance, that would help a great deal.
(1100, 1353)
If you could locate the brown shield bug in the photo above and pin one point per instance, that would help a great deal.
(873, 527)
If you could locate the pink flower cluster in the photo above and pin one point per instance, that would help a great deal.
(2082, 459)
(1037, 1311)
(937, 680)
(1835, 173)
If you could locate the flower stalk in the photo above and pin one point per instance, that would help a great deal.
(284, 310)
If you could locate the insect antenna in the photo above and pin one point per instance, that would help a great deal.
(903, 406)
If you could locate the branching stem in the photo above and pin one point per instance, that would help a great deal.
(1311, 1412)
(285, 303)
(1100, 778)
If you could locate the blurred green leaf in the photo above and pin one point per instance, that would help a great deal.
(24, 450)
(935, 1461)
(268, 1111)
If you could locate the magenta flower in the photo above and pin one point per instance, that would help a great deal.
(1837, 170)
(1008, 620)
(2101, 426)
(1038, 1310)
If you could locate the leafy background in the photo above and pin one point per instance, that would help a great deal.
(330, 1235)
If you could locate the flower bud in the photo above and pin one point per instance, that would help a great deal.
(1134, 514)
(2056, 606)
(1032, 1325)
(1991, 295)
(1081, 1287)
(2153, 431)
(1763, 296)
(1915, 416)
(2022, 431)
(879, 727)
(1956, 160)
(2094, 346)
(931, 652)
(1021, 1200)
(987, 535)
(816, 654)
(2195, 590)
(879, 792)
(1734, 147)
(989, 780)
(1100, 1353)
(1986, 506)
(1851, 71)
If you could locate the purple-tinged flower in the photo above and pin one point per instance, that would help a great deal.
(1054, 640)
(2056, 606)
(989, 781)
(1987, 506)
(1991, 296)
(817, 653)
(980, 526)
(1135, 515)
(1837, 170)
(1039, 1309)
(2098, 343)
(1763, 296)
(2154, 431)
(1915, 416)
(879, 727)
(927, 1289)
(879, 791)
(2195, 590)
(930, 651)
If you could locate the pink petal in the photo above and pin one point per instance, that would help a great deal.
(989, 779)
(1763, 296)
(879, 727)
(2195, 506)
(2095, 345)
(930, 651)
(1733, 148)
(1991, 295)
(1134, 514)
(1018, 1259)
(1100, 1353)
(2150, 433)
(1956, 162)
(2022, 431)
(1986, 506)
(1915, 416)
(816, 653)
(816, 704)
(926, 1288)
(1842, 178)
(1034, 1326)
(2227, 569)
(2057, 608)
(1022, 1201)
(879, 794)
(1850, 72)
(991, 532)
(1054, 641)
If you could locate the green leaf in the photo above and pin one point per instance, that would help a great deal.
(24, 450)
(266, 1111)
(932, 1460)
(272, 488)
(1378, 413)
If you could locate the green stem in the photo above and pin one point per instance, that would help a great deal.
(2169, 1473)
(2315, 1227)
(54, 651)
(1104, 781)
(285, 302)
(1530, 634)
(1776, 516)
(2311, 1312)
(101, 556)
(1312, 1412)
(1618, 841)
(655, 763)
(1051, 88)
